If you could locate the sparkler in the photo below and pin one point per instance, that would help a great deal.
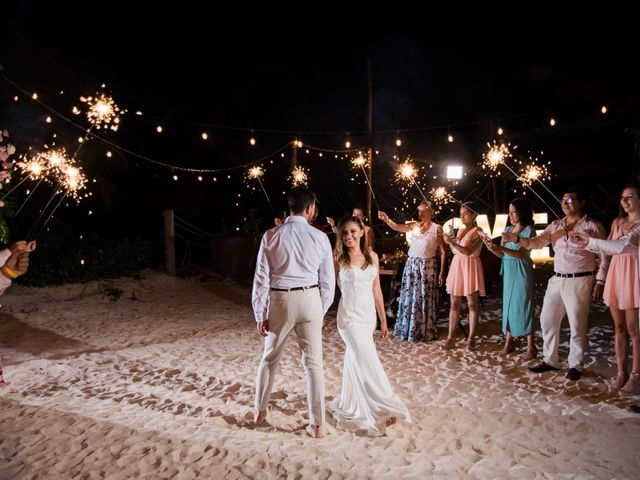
(536, 172)
(256, 172)
(361, 162)
(299, 176)
(440, 196)
(496, 156)
(407, 171)
(103, 111)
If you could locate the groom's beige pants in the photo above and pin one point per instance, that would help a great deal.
(302, 311)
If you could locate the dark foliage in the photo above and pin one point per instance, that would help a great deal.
(63, 257)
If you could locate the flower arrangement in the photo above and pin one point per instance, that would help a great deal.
(6, 150)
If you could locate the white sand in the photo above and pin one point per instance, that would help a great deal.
(160, 385)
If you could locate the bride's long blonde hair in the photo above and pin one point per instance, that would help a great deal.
(341, 253)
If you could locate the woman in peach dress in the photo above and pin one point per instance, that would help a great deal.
(622, 293)
(466, 278)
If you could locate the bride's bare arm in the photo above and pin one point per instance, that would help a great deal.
(379, 300)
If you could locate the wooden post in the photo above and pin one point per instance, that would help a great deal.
(370, 150)
(169, 243)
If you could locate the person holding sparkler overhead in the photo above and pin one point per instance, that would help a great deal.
(466, 277)
(418, 302)
(571, 288)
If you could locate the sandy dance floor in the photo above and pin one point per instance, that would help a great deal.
(160, 383)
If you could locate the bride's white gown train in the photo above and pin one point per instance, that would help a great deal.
(367, 399)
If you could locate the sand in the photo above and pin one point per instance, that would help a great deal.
(160, 384)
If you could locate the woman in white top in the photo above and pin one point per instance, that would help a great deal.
(418, 303)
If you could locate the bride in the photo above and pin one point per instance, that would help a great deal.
(367, 399)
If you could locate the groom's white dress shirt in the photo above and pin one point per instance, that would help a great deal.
(292, 255)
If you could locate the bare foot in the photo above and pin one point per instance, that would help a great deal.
(259, 418)
(619, 382)
(633, 384)
(529, 355)
(449, 343)
(315, 431)
(391, 421)
(471, 345)
(507, 349)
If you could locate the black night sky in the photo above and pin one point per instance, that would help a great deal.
(289, 71)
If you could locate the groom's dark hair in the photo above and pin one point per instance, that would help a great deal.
(299, 199)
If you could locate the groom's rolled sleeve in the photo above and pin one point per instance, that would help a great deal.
(327, 276)
(260, 292)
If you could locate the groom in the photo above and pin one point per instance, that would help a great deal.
(293, 288)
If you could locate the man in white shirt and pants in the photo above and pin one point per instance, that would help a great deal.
(293, 288)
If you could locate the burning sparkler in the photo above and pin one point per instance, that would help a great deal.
(361, 162)
(298, 176)
(532, 172)
(496, 156)
(103, 111)
(407, 171)
(255, 173)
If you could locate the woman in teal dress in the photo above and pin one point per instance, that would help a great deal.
(517, 280)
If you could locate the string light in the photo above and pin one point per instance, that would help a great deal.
(604, 109)
(552, 122)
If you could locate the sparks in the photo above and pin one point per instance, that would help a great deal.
(496, 156)
(359, 162)
(439, 195)
(299, 176)
(73, 181)
(255, 172)
(103, 112)
(533, 172)
(34, 167)
(406, 171)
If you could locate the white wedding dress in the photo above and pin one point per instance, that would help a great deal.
(367, 400)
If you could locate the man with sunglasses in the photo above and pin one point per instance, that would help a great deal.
(577, 279)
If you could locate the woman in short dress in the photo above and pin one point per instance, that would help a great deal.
(466, 277)
(622, 293)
